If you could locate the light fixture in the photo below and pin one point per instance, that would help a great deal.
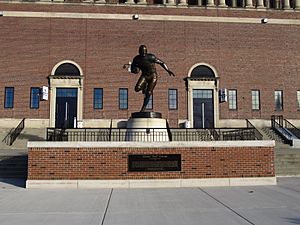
(135, 17)
(264, 20)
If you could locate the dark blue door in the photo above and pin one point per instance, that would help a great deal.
(203, 108)
(66, 107)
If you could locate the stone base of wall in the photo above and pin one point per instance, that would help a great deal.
(160, 183)
(105, 164)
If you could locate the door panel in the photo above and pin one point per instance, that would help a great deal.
(66, 107)
(203, 109)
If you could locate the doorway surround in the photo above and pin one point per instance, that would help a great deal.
(65, 81)
(202, 81)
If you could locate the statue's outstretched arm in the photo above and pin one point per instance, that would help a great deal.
(163, 65)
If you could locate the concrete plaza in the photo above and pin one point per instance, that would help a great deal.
(259, 205)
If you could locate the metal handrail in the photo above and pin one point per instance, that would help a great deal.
(168, 130)
(292, 128)
(258, 135)
(283, 133)
(16, 132)
(150, 134)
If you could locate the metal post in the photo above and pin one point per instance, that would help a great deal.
(202, 106)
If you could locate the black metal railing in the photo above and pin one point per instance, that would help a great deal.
(277, 126)
(14, 133)
(150, 134)
(288, 125)
(258, 135)
(276, 121)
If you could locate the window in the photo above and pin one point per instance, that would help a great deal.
(98, 98)
(298, 100)
(278, 100)
(34, 98)
(232, 103)
(9, 97)
(255, 94)
(150, 103)
(123, 98)
(172, 95)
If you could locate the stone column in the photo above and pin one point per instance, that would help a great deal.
(297, 4)
(142, 2)
(182, 2)
(210, 3)
(222, 3)
(260, 4)
(234, 3)
(199, 2)
(249, 4)
(171, 2)
(286, 4)
(129, 2)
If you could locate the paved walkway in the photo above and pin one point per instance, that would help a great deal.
(260, 205)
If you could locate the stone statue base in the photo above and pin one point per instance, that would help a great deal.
(146, 127)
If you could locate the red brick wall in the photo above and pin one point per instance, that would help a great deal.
(245, 56)
(112, 163)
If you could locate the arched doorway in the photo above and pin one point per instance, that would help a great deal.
(66, 83)
(202, 85)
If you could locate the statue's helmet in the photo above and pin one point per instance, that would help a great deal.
(143, 50)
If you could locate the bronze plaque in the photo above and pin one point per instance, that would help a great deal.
(150, 163)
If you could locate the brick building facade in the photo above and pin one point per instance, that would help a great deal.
(78, 50)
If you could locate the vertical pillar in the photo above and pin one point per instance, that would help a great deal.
(199, 2)
(182, 2)
(210, 3)
(286, 4)
(277, 4)
(142, 2)
(260, 4)
(249, 4)
(222, 3)
(129, 2)
(297, 4)
(171, 2)
(234, 3)
(100, 1)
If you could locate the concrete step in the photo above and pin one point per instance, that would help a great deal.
(13, 166)
(28, 134)
(287, 161)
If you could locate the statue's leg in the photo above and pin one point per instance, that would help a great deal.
(141, 84)
(148, 92)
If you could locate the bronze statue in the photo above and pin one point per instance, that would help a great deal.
(147, 81)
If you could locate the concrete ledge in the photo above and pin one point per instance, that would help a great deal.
(173, 144)
(163, 183)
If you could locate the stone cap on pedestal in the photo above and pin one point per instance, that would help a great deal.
(146, 115)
